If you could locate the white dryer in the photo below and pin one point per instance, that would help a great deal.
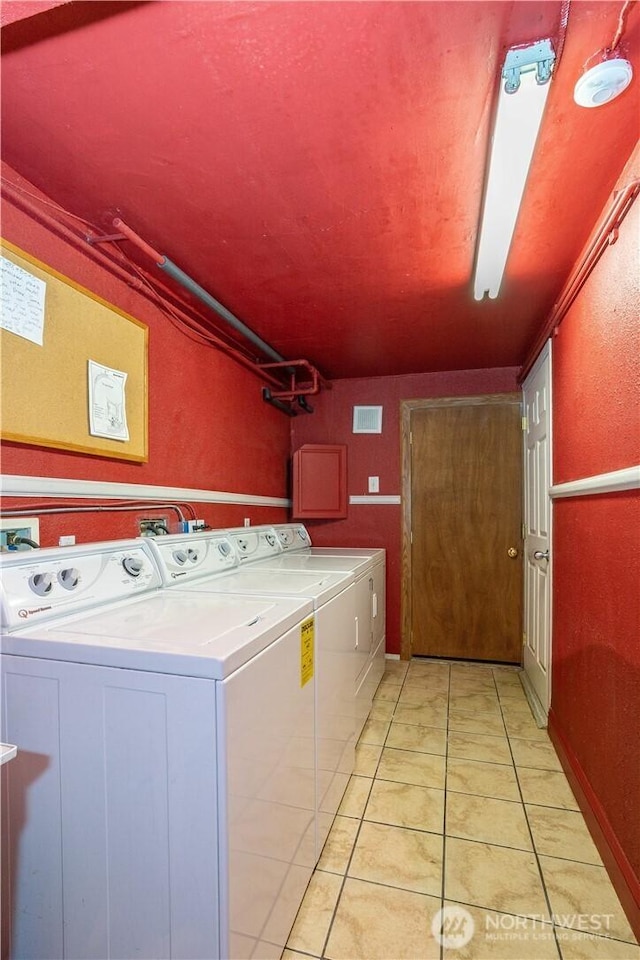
(369, 564)
(332, 594)
(140, 814)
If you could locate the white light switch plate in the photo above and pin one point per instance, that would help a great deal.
(374, 484)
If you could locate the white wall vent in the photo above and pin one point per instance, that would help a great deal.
(367, 419)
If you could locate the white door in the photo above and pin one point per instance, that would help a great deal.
(537, 519)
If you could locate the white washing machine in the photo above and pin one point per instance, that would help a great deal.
(141, 815)
(334, 639)
(370, 569)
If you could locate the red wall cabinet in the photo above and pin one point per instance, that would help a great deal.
(320, 482)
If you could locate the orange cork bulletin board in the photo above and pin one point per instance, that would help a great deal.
(45, 392)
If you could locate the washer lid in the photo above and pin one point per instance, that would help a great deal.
(174, 632)
(304, 560)
(320, 586)
(374, 554)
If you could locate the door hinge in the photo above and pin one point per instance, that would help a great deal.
(410, 438)
(524, 639)
(524, 531)
(410, 536)
(525, 424)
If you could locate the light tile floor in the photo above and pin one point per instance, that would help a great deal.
(458, 800)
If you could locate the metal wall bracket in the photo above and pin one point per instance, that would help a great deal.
(280, 405)
(297, 391)
(538, 56)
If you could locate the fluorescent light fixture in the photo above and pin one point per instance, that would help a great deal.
(523, 95)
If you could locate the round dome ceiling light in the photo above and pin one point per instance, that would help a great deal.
(603, 83)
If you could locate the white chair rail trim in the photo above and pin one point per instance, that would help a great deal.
(376, 499)
(24, 486)
(627, 479)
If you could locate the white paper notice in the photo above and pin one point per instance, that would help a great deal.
(22, 302)
(107, 406)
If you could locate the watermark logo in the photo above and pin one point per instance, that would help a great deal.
(453, 927)
(536, 926)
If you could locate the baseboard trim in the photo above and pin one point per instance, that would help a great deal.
(534, 701)
(622, 875)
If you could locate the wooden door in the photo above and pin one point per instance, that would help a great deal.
(466, 528)
(537, 522)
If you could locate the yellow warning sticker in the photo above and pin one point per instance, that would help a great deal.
(306, 651)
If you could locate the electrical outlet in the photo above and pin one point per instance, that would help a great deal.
(193, 526)
(13, 527)
(155, 527)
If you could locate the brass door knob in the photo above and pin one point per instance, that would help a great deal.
(512, 552)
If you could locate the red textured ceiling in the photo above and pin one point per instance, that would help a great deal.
(21, 9)
(319, 166)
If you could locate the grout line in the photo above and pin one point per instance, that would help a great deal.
(444, 812)
(530, 916)
(494, 763)
(389, 886)
(401, 826)
(551, 806)
(492, 843)
(484, 796)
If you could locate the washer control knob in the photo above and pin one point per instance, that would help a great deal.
(243, 545)
(192, 555)
(271, 540)
(69, 578)
(133, 566)
(224, 548)
(180, 557)
(41, 583)
(304, 536)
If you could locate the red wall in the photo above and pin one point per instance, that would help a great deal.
(208, 425)
(379, 455)
(596, 546)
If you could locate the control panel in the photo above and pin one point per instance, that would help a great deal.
(182, 559)
(43, 584)
(254, 543)
(292, 536)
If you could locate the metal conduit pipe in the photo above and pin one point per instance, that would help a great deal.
(174, 271)
(185, 280)
(87, 246)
